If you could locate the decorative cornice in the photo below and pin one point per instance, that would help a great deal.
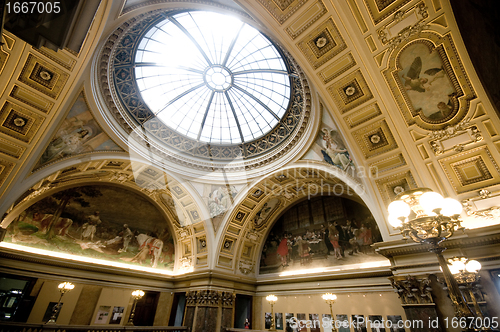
(470, 238)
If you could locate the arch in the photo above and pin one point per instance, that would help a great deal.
(239, 244)
(177, 201)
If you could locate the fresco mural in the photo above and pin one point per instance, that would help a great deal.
(329, 147)
(102, 222)
(321, 232)
(220, 199)
(79, 133)
(426, 83)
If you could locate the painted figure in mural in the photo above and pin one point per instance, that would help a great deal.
(148, 246)
(65, 144)
(333, 238)
(283, 250)
(221, 199)
(127, 237)
(426, 82)
(61, 226)
(90, 227)
(261, 216)
(366, 236)
(333, 152)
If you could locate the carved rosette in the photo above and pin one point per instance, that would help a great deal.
(413, 290)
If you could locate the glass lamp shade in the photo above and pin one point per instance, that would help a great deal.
(138, 294)
(65, 286)
(329, 297)
(473, 266)
(399, 209)
(431, 201)
(394, 221)
(453, 269)
(271, 298)
(451, 207)
(457, 266)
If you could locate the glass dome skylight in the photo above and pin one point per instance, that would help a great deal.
(212, 77)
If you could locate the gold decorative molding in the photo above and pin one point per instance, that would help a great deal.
(322, 44)
(455, 137)
(306, 19)
(413, 20)
(11, 149)
(19, 122)
(471, 170)
(381, 9)
(413, 290)
(389, 187)
(42, 76)
(5, 169)
(282, 10)
(350, 92)
(485, 205)
(362, 115)
(375, 139)
(31, 99)
(337, 68)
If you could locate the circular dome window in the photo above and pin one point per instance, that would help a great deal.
(202, 90)
(212, 78)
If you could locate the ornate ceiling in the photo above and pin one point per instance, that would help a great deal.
(394, 76)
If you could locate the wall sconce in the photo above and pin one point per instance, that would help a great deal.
(330, 299)
(137, 294)
(63, 287)
(426, 217)
(272, 300)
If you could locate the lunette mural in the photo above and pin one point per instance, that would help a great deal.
(321, 232)
(101, 222)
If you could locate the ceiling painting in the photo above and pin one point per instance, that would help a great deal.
(428, 76)
(79, 133)
(330, 148)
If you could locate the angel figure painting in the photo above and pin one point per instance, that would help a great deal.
(79, 133)
(330, 148)
(426, 83)
(334, 151)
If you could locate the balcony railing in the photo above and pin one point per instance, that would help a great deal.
(23, 327)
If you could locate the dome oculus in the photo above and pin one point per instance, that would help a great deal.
(212, 77)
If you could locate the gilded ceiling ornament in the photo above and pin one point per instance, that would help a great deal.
(407, 32)
(471, 209)
(320, 42)
(440, 144)
(374, 139)
(350, 91)
(45, 75)
(246, 267)
(19, 122)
